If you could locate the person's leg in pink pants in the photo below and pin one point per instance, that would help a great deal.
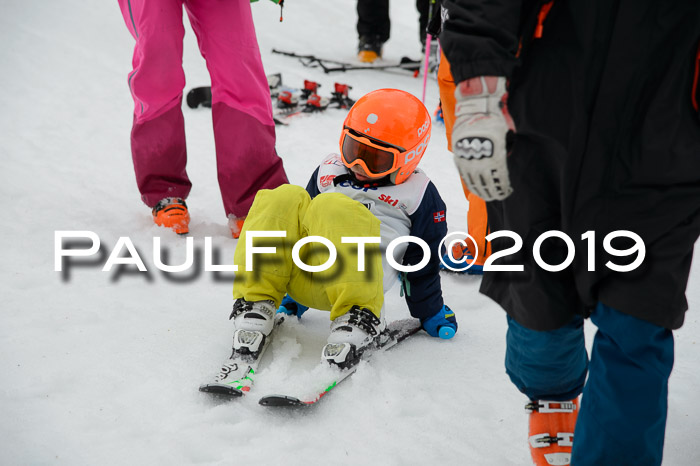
(244, 131)
(156, 83)
(242, 113)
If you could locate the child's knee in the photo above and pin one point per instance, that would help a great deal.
(286, 197)
(337, 209)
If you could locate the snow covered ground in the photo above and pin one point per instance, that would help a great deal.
(103, 368)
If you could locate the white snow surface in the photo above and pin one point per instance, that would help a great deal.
(103, 368)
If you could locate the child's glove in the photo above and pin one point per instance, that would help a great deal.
(291, 307)
(479, 136)
(442, 325)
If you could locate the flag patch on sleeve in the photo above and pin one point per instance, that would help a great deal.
(439, 216)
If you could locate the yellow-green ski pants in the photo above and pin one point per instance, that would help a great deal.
(289, 208)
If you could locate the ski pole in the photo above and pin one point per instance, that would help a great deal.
(428, 36)
(425, 68)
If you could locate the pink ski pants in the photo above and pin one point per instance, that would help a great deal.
(244, 132)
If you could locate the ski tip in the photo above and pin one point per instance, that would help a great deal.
(281, 400)
(221, 389)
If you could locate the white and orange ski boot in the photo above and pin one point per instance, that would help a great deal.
(551, 433)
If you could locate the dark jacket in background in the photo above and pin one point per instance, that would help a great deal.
(604, 97)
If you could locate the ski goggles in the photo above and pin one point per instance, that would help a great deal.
(376, 157)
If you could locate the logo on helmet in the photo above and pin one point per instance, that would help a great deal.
(420, 148)
(424, 128)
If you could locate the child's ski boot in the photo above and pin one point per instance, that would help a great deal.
(351, 335)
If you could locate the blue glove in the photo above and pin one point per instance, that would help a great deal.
(442, 325)
(291, 307)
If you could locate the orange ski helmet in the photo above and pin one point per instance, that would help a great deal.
(386, 132)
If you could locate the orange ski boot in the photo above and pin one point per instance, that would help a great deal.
(551, 433)
(172, 213)
(369, 49)
(236, 225)
(367, 56)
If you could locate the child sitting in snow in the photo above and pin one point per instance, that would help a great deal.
(372, 189)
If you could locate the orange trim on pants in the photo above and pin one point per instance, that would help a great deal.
(477, 219)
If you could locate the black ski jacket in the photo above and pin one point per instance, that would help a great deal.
(604, 95)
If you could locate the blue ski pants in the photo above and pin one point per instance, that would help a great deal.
(622, 419)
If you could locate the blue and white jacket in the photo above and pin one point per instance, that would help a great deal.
(412, 208)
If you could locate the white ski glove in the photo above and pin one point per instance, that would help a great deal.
(479, 136)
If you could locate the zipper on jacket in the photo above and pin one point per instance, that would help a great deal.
(695, 95)
(541, 16)
(533, 26)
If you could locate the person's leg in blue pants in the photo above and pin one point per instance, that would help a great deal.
(622, 419)
(547, 365)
